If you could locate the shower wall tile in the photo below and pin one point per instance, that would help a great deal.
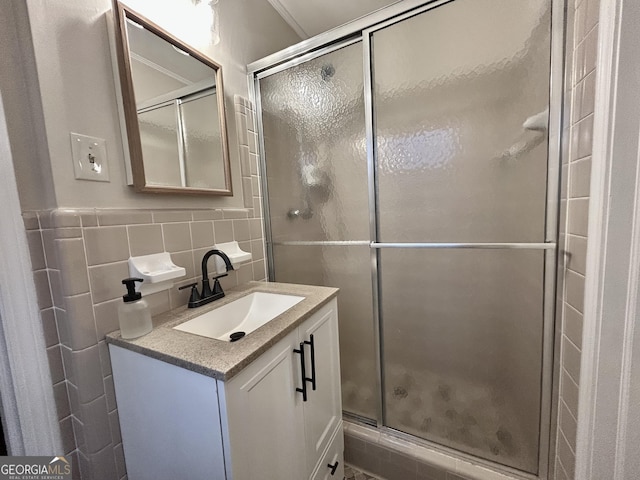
(569, 425)
(568, 394)
(578, 248)
(580, 82)
(566, 455)
(585, 137)
(571, 359)
(560, 473)
(580, 178)
(578, 216)
(573, 325)
(574, 290)
(588, 94)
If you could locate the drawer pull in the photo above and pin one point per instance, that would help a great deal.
(333, 467)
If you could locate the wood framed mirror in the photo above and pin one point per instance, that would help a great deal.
(173, 109)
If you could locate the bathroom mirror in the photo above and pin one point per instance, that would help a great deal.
(173, 109)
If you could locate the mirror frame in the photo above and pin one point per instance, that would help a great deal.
(130, 113)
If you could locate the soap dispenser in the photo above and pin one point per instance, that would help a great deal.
(133, 314)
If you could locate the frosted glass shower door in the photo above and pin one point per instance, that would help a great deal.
(460, 97)
(314, 149)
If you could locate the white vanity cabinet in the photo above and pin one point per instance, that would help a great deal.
(256, 426)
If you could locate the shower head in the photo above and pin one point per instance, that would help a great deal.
(327, 71)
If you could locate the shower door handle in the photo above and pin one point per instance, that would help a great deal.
(303, 372)
(311, 343)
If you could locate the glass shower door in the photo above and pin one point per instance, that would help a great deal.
(316, 169)
(460, 97)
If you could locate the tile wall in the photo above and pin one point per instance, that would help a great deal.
(582, 42)
(79, 258)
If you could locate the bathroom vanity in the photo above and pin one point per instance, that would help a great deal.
(267, 406)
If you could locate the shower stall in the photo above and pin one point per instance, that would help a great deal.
(411, 159)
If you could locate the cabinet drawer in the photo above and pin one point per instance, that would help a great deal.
(331, 467)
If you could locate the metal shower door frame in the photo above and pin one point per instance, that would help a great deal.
(362, 30)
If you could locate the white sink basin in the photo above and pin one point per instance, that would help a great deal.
(242, 315)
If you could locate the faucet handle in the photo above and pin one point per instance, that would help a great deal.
(195, 296)
(217, 288)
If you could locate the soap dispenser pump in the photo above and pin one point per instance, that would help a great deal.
(133, 314)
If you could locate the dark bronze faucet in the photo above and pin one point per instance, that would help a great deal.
(208, 295)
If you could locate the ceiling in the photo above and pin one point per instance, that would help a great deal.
(311, 17)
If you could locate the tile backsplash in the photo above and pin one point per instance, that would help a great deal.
(79, 258)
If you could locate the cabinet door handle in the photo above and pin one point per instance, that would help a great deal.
(313, 362)
(333, 468)
(303, 372)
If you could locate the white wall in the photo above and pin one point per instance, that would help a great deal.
(20, 98)
(77, 88)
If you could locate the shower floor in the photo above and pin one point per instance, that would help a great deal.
(460, 414)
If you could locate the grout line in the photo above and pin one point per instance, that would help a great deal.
(569, 340)
(568, 443)
(568, 410)
(569, 376)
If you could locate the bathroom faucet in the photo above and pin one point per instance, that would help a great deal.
(208, 295)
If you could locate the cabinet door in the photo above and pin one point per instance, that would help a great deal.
(323, 409)
(169, 419)
(331, 467)
(265, 416)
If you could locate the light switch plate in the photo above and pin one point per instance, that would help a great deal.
(89, 158)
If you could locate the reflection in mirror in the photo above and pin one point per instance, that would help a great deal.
(173, 105)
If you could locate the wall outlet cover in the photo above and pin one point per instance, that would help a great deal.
(89, 158)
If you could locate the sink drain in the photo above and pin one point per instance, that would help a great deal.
(235, 336)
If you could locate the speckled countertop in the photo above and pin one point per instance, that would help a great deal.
(216, 358)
